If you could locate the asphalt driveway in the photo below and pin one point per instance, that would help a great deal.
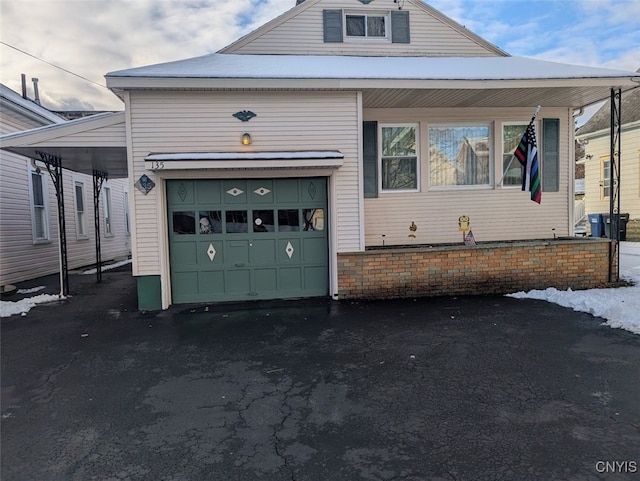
(468, 388)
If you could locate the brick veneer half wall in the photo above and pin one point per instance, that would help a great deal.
(492, 268)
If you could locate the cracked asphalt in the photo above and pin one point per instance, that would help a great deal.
(468, 388)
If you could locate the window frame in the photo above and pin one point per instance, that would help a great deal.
(386, 15)
(491, 127)
(605, 182)
(107, 210)
(46, 223)
(503, 175)
(81, 234)
(127, 217)
(381, 157)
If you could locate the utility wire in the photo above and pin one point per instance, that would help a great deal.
(53, 65)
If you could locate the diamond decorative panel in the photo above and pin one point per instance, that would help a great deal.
(211, 252)
(235, 192)
(262, 191)
(182, 192)
(312, 190)
(289, 249)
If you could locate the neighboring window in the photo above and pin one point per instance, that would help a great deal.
(399, 160)
(184, 222)
(459, 155)
(81, 221)
(127, 228)
(512, 169)
(108, 219)
(39, 210)
(369, 25)
(605, 180)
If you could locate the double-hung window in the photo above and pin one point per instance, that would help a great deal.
(39, 207)
(459, 155)
(366, 25)
(512, 169)
(81, 219)
(399, 166)
(605, 178)
(108, 220)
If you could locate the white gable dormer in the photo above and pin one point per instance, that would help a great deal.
(364, 28)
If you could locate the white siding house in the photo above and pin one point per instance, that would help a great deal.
(339, 127)
(29, 241)
(595, 135)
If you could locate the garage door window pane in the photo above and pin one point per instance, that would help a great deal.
(288, 220)
(184, 222)
(263, 221)
(210, 222)
(237, 222)
(313, 219)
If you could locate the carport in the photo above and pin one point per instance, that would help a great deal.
(94, 145)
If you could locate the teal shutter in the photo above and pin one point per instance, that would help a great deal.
(332, 24)
(550, 155)
(400, 26)
(370, 158)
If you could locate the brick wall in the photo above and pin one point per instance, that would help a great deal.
(493, 268)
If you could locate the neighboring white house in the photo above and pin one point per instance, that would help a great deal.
(595, 136)
(29, 242)
(338, 127)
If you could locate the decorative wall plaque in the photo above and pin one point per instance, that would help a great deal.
(245, 115)
(144, 184)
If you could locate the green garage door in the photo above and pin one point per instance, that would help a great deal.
(233, 240)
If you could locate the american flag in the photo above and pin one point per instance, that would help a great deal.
(527, 155)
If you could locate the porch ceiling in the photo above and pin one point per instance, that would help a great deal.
(109, 160)
(494, 98)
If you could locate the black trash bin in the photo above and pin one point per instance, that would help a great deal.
(597, 225)
(621, 219)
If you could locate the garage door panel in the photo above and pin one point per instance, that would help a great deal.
(209, 192)
(237, 253)
(211, 254)
(315, 278)
(261, 191)
(211, 281)
(290, 279)
(234, 192)
(314, 250)
(181, 193)
(238, 281)
(263, 252)
(287, 191)
(185, 253)
(289, 251)
(266, 280)
(185, 283)
(312, 190)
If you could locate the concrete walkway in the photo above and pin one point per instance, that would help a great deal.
(471, 388)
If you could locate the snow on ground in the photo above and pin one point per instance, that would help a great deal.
(9, 308)
(619, 306)
(30, 291)
(107, 267)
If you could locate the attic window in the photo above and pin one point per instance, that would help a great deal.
(368, 25)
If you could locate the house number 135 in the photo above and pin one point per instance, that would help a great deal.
(157, 165)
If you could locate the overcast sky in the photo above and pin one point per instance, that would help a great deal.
(93, 37)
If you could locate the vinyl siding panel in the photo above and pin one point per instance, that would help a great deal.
(203, 122)
(599, 147)
(304, 35)
(496, 214)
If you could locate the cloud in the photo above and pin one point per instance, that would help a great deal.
(115, 35)
(120, 34)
